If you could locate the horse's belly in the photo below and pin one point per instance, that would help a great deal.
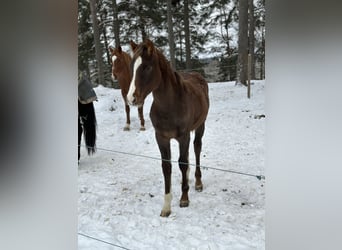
(168, 128)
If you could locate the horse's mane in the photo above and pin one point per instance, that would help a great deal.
(175, 77)
(167, 71)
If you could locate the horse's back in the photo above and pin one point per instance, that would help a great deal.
(194, 82)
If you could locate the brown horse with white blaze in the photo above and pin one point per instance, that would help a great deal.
(121, 71)
(180, 105)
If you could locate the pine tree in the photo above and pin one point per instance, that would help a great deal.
(171, 34)
(223, 14)
(97, 42)
(86, 49)
(260, 38)
(251, 36)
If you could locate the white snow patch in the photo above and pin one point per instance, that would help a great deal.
(120, 196)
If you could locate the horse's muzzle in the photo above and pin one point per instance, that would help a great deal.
(133, 101)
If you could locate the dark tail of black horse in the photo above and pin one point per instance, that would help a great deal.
(87, 126)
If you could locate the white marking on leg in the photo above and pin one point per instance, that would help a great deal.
(127, 127)
(187, 173)
(131, 91)
(167, 203)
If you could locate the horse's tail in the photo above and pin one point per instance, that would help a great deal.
(88, 118)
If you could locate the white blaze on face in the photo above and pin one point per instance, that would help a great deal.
(131, 90)
(113, 59)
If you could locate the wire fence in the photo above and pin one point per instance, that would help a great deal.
(103, 241)
(259, 177)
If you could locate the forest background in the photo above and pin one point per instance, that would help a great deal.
(211, 37)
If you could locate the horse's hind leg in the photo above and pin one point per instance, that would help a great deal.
(141, 116)
(198, 147)
(184, 167)
(165, 151)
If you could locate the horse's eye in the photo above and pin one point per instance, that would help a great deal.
(147, 68)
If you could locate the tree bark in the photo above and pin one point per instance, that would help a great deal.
(98, 51)
(103, 17)
(262, 70)
(106, 45)
(171, 34)
(116, 25)
(251, 37)
(187, 35)
(142, 24)
(243, 42)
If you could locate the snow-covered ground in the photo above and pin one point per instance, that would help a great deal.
(121, 196)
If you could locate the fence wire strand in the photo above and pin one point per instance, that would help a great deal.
(259, 177)
(103, 241)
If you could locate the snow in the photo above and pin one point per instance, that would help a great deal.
(121, 196)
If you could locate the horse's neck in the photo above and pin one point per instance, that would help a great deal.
(124, 76)
(166, 94)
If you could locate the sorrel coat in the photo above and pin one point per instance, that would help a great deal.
(121, 71)
(180, 105)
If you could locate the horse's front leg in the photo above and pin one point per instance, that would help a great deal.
(184, 167)
(128, 120)
(164, 147)
(141, 116)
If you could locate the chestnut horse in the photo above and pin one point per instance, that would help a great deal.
(121, 71)
(180, 105)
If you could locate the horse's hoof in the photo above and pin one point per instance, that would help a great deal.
(199, 188)
(165, 213)
(142, 129)
(126, 128)
(184, 203)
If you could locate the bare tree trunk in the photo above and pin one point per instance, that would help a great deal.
(243, 42)
(171, 35)
(98, 51)
(103, 17)
(106, 45)
(180, 47)
(262, 70)
(251, 37)
(116, 25)
(142, 24)
(187, 35)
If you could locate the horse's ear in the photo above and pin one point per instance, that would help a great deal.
(111, 50)
(133, 45)
(149, 46)
(119, 49)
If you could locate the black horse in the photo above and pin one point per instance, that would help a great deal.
(87, 126)
(86, 115)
